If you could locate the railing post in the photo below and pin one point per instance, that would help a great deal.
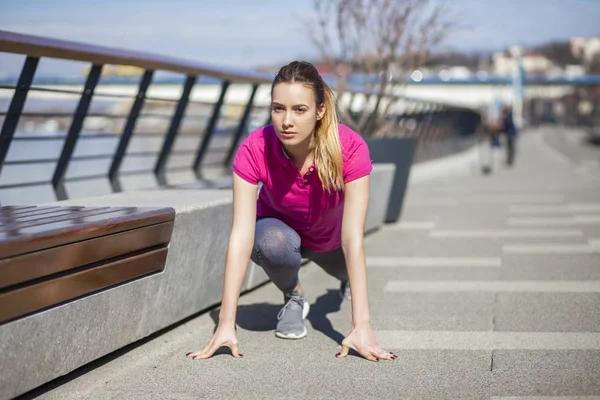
(270, 117)
(74, 132)
(16, 106)
(427, 123)
(128, 130)
(240, 129)
(210, 129)
(161, 163)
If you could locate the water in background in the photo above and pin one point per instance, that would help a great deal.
(41, 137)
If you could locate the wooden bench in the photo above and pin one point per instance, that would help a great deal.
(56, 254)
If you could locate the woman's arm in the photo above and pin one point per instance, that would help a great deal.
(361, 338)
(239, 250)
(356, 203)
(241, 241)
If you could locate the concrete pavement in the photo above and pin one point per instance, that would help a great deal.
(489, 288)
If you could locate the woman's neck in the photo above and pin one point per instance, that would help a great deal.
(301, 152)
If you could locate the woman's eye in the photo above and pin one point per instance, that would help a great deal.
(277, 109)
(300, 110)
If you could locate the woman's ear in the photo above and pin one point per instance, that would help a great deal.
(321, 111)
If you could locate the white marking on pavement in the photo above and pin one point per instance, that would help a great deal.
(584, 207)
(545, 398)
(412, 225)
(558, 221)
(595, 242)
(494, 286)
(485, 199)
(499, 198)
(433, 262)
(431, 202)
(450, 190)
(551, 249)
(490, 198)
(542, 209)
(452, 340)
(505, 233)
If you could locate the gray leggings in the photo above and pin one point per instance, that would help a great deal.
(278, 251)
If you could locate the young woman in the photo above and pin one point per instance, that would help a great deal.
(312, 204)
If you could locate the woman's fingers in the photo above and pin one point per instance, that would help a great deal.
(206, 352)
(375, 355)
(346, 348)
(211, 348)
(344, 352)
(385, 355)
(194, 354)
(369, 356)
(235, 351)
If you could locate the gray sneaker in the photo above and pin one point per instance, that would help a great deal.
(291, 317)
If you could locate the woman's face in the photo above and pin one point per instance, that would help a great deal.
(294, 112)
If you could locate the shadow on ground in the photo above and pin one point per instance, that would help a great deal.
(263, 316)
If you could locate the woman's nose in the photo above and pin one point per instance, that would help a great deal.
(287, 119)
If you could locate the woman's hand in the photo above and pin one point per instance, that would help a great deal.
(223, 336)
(362, 340)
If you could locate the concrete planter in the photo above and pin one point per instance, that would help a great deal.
(399, 151)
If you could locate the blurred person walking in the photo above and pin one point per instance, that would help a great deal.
(510, 132)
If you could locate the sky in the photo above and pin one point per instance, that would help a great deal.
(249, 33)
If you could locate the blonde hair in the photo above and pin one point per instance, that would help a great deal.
(328, 149)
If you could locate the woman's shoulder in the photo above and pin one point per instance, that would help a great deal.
(259, 138)
(349, 139)
(250, 158)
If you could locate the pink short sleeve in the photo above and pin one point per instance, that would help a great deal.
(358, 159)
(245, 165)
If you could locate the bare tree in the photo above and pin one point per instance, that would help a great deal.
(384, 40)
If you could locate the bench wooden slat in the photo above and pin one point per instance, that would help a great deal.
(32, 213)
(23, 268)
(15, 208)
(31, 238)
(39, 220)
(42, 217)
(8, 213)
(20, 302)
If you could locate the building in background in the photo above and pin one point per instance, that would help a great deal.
(585, 49)
(533, 62)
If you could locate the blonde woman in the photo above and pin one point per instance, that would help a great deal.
(313, 204)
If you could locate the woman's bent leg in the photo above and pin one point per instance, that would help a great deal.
(334, 263)
(277, 251)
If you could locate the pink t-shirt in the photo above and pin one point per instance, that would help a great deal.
(300, 201)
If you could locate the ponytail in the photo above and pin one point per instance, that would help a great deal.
(328, 150)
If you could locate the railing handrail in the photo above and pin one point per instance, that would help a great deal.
(37, 46)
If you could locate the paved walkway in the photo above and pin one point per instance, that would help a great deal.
(488, 288)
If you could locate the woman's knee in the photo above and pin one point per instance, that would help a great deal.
(277, 243)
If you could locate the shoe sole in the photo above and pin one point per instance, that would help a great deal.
(305, 311)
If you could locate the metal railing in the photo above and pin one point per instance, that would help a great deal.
(207, 146)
